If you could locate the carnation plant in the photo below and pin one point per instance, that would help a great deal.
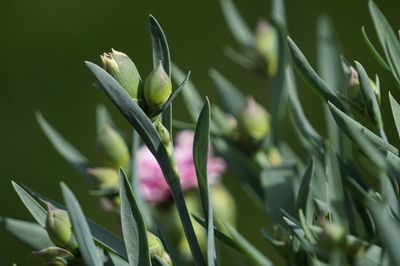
(334, 201)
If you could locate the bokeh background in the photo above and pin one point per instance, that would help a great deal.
(43, 44)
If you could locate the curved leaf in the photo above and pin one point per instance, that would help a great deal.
(133, 227)
(81, 229)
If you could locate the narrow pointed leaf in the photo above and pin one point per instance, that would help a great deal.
(37, 211)
(239, 29)
(373, 50)
(200, 157)
(133, 227)
(369, 97)
(81, 229)
(346, 123)
(305, 187)
(142, 124)
(36, 203)
(103, 117)
(311, 77)
(28, 233)
(190, 94)
(396, 112)
(64, 148)
(231, 99)
(160, 45)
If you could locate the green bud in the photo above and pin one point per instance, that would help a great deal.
(156, 247)
(59, 228)
(55, 256)
(274, 157)
(112, 148)
(333, 235)
(266, 45)
(253, 121)
(157, 87)
(123, 70)
(105, 178)
(223, 205)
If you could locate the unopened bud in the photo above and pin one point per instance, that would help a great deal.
(157, 87)
(333, 235)
(266, 45)
(59, 228)
(55, 256)
(253, 121)
(123, 70)
(112, 148)
(274, 156)
(156, 247)
(223, 205)
(105, 178)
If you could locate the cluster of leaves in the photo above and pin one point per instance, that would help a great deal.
(338, 204)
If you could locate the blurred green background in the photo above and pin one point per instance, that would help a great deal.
(44, 43)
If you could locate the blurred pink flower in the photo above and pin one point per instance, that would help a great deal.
(152, 184)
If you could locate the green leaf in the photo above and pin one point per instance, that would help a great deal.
(396, 112)
(254, 255)
(37, 211)
(236, 241)
(388, 40)
(311, 77)
(373, 50)
(64, 148)
(278, 12)
(133, 227)
(161, 53)
(388, 228)
(200, 158)
(35, 202)
(160, 45)
(303, 196)
(190, 94)
(81, 229)
(300, 119)
(230, 97)
(346, 123)
(30, 234)
(369, 97)
(142, 124)
(239, 29)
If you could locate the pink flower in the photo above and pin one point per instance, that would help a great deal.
(153, 186)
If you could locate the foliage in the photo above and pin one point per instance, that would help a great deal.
(338, 203)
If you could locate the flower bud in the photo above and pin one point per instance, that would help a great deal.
(59, 228)
(105, 178)
(157, 87)
(253, 121)
(112, 148)
(266, 45)
(156, 247)
(274, 157)
(333, 235)
(223, 205)
(123, 70)
(55, 256)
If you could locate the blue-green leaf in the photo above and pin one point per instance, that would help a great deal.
(30, 234)
(311, 77)
(303, 196)
(396, 112)
(81, 229)
(230, 97)
(388, 39)
(37, 211)
(346, 123)
(200, 158)
(133, 227)
(239, 29)
(160, 45)
(142, 124)
(190, 94)
(64, 148)
(373, 50)
(369, 97)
